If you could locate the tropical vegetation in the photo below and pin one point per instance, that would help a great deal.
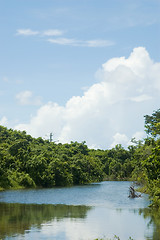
(27, 162)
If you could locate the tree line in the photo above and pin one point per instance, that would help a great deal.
(34, 162)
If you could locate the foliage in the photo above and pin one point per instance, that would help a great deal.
(147, 159)
(29, 162)
(152, 123)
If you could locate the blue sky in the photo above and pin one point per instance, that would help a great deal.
(55, 59)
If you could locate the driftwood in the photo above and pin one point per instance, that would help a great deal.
(132, 193)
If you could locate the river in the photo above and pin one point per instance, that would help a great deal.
(75, 213)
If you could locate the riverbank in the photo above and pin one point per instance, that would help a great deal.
(27, 162)
(78, 212)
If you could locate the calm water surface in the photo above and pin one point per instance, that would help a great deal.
(75, 213)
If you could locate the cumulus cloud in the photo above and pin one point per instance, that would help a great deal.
(119, 139)
(27, 98)
(3, 121)
(137, 136)
(141, 98)
(110, 111)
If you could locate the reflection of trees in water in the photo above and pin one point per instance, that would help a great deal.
(16, 218)
(154, 217)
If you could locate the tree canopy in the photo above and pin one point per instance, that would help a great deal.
(152, 123)
(34, 162)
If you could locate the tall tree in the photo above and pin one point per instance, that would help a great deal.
(152, 124)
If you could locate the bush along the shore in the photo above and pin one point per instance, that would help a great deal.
(30, 162)
(27, 162)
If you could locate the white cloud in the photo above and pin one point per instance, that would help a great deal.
(27, 32)
(110, 111)
(50, 117)
(3, 121)
(138, 136)
(27, 98)
(53, 32)
(63, 40)
(98, 43)
(141, 98)
(30, 32)
(81, 43)
(5, 79)
(119, 139)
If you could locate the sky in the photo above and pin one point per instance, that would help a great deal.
(84, 70)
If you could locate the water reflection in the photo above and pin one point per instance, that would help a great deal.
(18, 218)
(154, 217)
(64, 222)
(79, 213)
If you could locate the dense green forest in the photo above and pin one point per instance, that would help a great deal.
(33, 162)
